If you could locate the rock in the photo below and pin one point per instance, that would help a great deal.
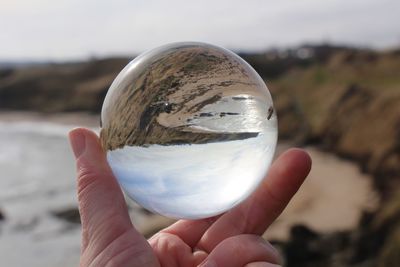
(346, 101)
(386, 225)
(190, 77)
(302, 246)
(346, 107)
(59, 87)
(376, 242)
(390, 255)
(26, 224)
(346, 110)
(2, 216)
(70, 214)
(306, 248)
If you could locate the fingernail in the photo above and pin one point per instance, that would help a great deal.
(78, 142)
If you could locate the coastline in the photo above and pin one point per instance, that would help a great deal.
(326, 188)
(76, 119)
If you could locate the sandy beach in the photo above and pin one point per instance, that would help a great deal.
(331, 199)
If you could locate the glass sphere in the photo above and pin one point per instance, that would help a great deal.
(189, 130)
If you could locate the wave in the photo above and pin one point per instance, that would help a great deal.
(38, 127)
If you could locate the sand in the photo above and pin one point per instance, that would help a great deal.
(331, 199)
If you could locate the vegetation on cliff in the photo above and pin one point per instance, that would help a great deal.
(343, 99)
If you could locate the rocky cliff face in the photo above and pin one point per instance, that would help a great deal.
(159, 101)
(58, 87)
(351, 105)
(348, 103)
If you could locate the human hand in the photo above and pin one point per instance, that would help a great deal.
(228, 240)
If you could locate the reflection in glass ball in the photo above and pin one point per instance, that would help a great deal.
(189, 130)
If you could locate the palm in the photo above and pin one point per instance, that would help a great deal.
(232, 239)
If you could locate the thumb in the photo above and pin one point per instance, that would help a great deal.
(106, 226)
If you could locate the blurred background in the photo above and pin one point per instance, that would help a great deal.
(333, 68)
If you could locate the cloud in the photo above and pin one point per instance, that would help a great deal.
(193, 181)
(44, 29)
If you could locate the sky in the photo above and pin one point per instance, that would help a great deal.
(183, 183)
(78, 29)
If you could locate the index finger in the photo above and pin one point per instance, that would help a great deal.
(255, 214)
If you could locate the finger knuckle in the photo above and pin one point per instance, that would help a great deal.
(86, 180)
(165, 243)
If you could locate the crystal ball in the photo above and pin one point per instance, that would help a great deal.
(189, 130)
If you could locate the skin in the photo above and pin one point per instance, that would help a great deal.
(231, 239)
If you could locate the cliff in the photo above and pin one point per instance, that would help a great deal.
(59, 87)
(344, 100)
(349, 105)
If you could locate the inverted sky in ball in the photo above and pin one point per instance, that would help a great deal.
(189, 130)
